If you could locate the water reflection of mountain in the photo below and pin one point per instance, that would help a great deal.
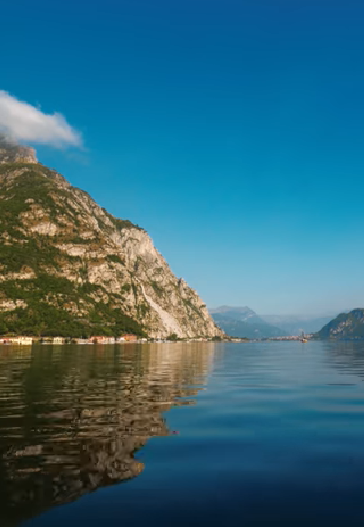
(72, 418)
(347, 357)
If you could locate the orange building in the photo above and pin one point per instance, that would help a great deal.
(130, 338)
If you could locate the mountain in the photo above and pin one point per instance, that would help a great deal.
(345, 325)
(243, 322)
(295, 324)
(68, 267)
(242, 313)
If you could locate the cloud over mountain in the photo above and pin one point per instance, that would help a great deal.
(24, 122)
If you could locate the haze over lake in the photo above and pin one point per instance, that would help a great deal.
(182, 434)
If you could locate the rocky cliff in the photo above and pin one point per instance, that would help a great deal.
(345, 325)
(69, 267)
(10, 152)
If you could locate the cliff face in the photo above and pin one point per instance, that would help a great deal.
(12, 153)
(345, 325)
(65, 263)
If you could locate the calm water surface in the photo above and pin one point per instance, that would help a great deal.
(176, 435)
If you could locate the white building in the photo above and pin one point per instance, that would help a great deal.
(58, 340)
(22, 341)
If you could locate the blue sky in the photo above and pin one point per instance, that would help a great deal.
(232, 131)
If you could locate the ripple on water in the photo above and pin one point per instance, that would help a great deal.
(236, 434)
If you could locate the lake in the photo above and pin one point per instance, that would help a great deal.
(261, 433)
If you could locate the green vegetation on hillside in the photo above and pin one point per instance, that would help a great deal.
(70, 268)
(47, 298)
(48, 304)
(345, 325)
(37, 184)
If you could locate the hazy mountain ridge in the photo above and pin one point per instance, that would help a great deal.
(242, 321)
(67, 265)
(296, 324)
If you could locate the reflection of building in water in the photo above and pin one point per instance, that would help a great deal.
(71, 419)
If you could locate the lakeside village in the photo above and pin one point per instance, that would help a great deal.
(59, 341)
(125, 339)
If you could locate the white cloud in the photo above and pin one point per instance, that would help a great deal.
(23, 122)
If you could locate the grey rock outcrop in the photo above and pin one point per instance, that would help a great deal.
(10, 152)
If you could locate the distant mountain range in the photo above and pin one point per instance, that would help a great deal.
(296, 324)
(242, 321)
